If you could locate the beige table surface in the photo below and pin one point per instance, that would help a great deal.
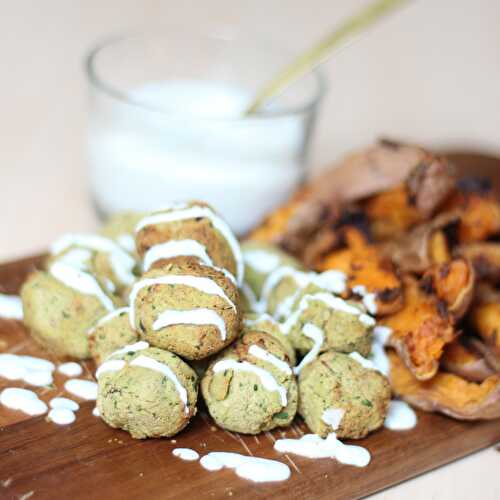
(430, 75)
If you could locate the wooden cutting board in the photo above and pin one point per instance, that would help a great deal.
(88, 459)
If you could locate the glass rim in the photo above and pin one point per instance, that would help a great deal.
(124, 97)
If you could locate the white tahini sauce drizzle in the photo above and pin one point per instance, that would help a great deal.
(194, 212)
(313, 446)
(201, 316)
(249, 322)
(137, 346)
(66, 403)
(78, 258)
(261, 261)
(108, 317)
(186, 454)
(400, 416)
(23, 400)
(84, 389)
(259, 470)
(249, 294)
(381, 334)
(127, 242)
(204, 285)
(176, 248)
(317, 336)
(61, 416)
(80, 281)
(33, 371)
(70, 369)
(121, 262)
(112, 365)
(11, 307)
(364, 362)
(333, 417)
(266, 379)
(153, 364)
(263, 355)
(369, 299)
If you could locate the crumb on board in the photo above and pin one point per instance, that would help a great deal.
(27, 495)
(7, 482)
(173, 441)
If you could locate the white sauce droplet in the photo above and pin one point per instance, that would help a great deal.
(70, 369)
(186, 454)
(113, 365)
(313, 446)
(96, 412)
(400, 417)
(204, 285)
(333, 417)
(11, 307)
(33, 371)
(259, 470)
(23, 400)
(317, 336)
(193, 213)
(65, 403)
(262, 354)
(121, 262)
(201, 316)
(266, 379)
(80, 281)
(61, 416)
(261, 260)
(369, 299)
(84, 389)
(153, 364)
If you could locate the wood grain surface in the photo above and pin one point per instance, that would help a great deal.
(87, 459)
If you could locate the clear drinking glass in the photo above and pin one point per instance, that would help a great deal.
(166, 124)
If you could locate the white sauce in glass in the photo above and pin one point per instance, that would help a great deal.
(259, 470)
(23, 400)
(153, 364)
(70, 369)
(11, 307)
(186, 454)
(193, 213)
(61, 416)
(261, 261)
(400, 416)
(313, 446)
(84, 389)
(317, 336)
(112, 365)
(201, 316)
(29, 369)
(266, 379)
(333, 417)
(263, 355)
(121, 262)
(81, 282)
(113, 314)
(204, 285)
(66, 403)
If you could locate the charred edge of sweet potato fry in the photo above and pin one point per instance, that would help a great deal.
(458, 358)
(485, 257)
(363, 265)
(447, 393)
(420, 330)
(452, 282)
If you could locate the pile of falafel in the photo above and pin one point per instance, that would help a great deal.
(169, 303)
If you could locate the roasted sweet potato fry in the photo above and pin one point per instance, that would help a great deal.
(420, 330)
(453, 283)
(465, 362)
(367, 272)
(485, 258)
(447, 393)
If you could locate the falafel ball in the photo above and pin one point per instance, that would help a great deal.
(337, 394)
(250, 387)
(146, 391)
(110, 333)
(187, 308)
(189, 229)
(120, 227)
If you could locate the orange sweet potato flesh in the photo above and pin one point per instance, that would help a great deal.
(363, 265)
(453, 283)
(447, 393)
(420, 330)
(463, 361)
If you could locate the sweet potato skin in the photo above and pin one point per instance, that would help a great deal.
(420, 330)
(485, 257)
(447, 393)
